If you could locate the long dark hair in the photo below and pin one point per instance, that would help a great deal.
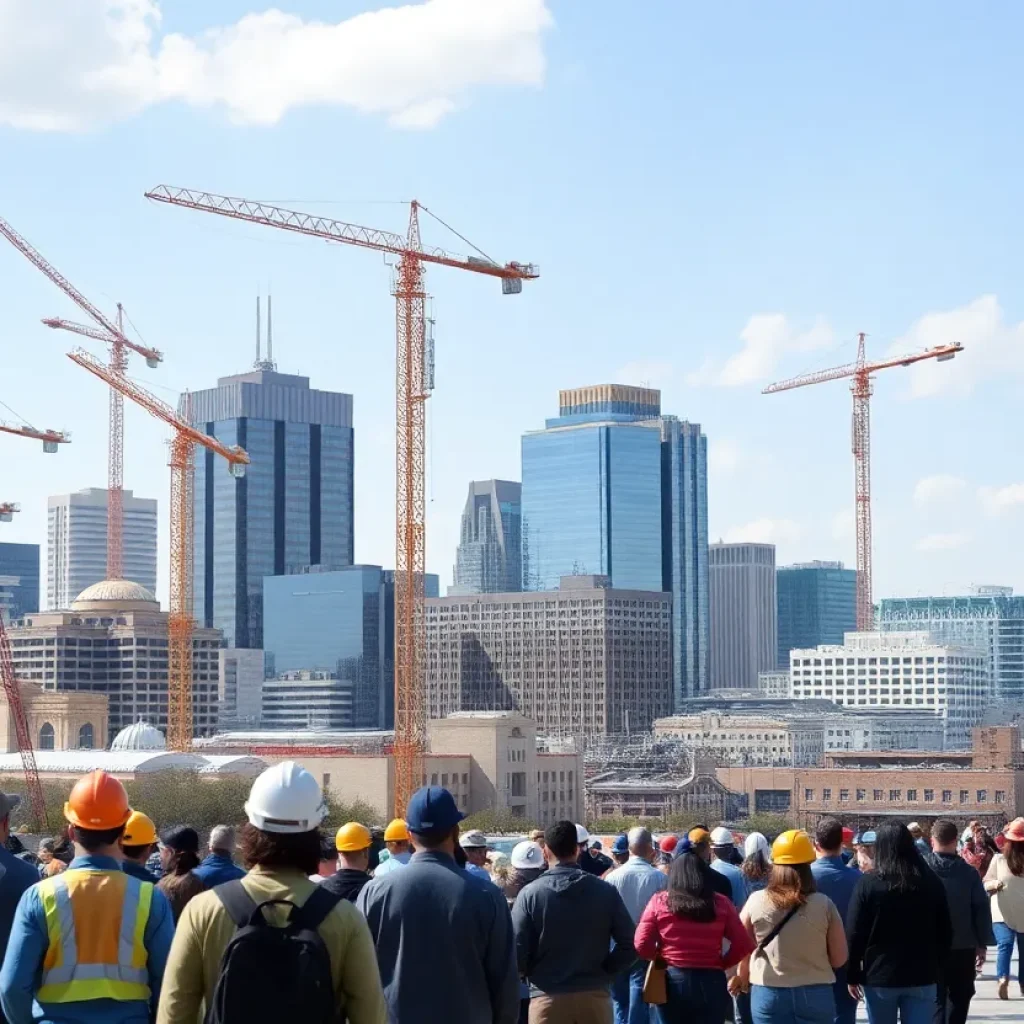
(898, 862)
(690, 893)
(756, 867)
(1014, 854)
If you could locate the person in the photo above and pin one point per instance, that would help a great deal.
(353, 842)
(45, 854)
(88, 945)
(979, 848)
(604, 862)
(799, 941)
(526, 864)
(619, 851)
(699, 842)
(834, 879)
(537, 836)
(179, 855)
(849, 855)
(327, 865)
(219, 864)
(972, 925)
(574, 936)
(397, 844)
(919, 839)
(586, 858)
(864, 848)
(756, 865)
(474, 844)
(687, 927)
(1004, 882)
(138, 842)
(668, 844)
(722, 848)
(899, 932)
(637, 881)
(438, 929)
(280, 847)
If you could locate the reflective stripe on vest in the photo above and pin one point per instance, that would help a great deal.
(71, 975)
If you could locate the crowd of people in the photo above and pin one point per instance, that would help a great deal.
(118, 923)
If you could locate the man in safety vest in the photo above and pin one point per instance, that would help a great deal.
(90, 944)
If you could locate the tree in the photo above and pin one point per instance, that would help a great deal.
(498, 822)
(769, 825)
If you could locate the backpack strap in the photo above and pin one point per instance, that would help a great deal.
(770, 937)
(313, 912)
(237, 902)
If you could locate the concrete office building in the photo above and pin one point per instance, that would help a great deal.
(898, 670)
(76, 543)
(293, 507)
(20, 563)
(990, 619)
(743, 610)
(240, 689)
(614, 488)
(582, 660)
(489, 559)
(112, 640)
(817, 604)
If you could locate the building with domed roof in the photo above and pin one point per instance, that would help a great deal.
(113, 641)
(139, 736)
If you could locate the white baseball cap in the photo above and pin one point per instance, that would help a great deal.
(473, 840)
(527, 855)
(721, 836)
(755, 843)
(582, 835)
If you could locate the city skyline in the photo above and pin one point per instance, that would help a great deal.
(744, 271)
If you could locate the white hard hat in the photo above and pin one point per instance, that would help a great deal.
(721, 836)
(582, 835)
(527, 855)
(755, 843)
(286, 799)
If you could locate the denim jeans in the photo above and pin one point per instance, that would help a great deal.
(805, 1004)
(695, 996)
(628, 996)
(1005, 938)
(912, 1005)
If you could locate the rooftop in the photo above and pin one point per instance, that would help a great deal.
(123, 595)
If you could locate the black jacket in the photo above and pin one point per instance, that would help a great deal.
(969, 907)
(573, 932)
(897, 938)
(348, 883)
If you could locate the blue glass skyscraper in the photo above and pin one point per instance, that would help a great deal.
(294, 506)
(612, 487)
(817, 604)
(22, 561)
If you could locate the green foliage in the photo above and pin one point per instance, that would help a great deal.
(498, 823)
(678, 824)
(769, 825)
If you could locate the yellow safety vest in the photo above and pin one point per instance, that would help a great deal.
(96, 923)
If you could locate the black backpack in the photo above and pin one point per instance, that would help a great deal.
(270, 973)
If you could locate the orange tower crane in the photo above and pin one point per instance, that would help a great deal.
(182, 461)
(414, 382)
(861, 387)
(113, 335)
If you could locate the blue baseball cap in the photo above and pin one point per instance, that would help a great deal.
(432, 809)
(621, 845)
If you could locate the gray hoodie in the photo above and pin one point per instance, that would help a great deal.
(573, 932)
(969, 907)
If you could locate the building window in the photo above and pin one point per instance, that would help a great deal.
(895, 796)
(861, 794)
(844, 796)
(929, 796)
(826, 794)
(982, 796)
(879, 796)
(46, 737)
(1000, 796)
(964, 796)
(808, 794)
(326, 783)
(912, 794)
(86, 739)
(947, 796)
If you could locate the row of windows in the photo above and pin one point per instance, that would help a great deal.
(896, 796)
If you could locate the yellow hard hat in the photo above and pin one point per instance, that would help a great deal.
(396, 832)
(352, 837)
(793, 847)
(139, 830)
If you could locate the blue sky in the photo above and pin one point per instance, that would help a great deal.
(719, 196)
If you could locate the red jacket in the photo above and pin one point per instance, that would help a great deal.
(682, 942)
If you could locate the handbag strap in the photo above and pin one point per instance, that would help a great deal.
(775, 931)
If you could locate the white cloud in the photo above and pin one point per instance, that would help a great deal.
(645, 373)
(991, 347)
(724, 456)
(942, 541)
(767, 337)
(941, 487)
(998, 500)
(66, 65)
(765, 531)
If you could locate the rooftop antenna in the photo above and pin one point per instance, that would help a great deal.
(261, 363)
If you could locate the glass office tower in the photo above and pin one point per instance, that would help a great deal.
(21, 561)
(817, 604)
(612, 487)
(294, 506)
(489, 558)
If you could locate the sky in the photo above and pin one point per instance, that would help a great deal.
(718, 196)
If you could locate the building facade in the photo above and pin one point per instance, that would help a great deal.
(898, 670)
(585, 659)
(308, 700)
(614, 488)
(240, 688)
(56, 721)
(489, 559)
(743, 610)
(21, 562)
(113, 641)
(991, 620)
(817, 604)
(293, 507)
(76, 543)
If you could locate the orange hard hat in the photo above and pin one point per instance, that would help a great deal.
(97, 802)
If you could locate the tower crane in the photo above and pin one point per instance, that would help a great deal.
(861, 387)
(180, 623)
(113, 335)
(7, 510)
(50, 438)
(414, 382)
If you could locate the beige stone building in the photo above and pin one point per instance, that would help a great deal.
(56, 721)
(112, 641)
